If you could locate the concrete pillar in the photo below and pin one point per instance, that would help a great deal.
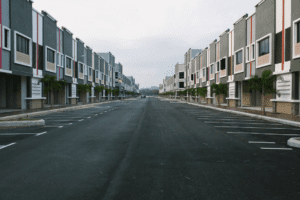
(295, 108)
(23, 92)
(274, 106)
(2, 92)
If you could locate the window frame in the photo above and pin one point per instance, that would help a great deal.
(265, 50)
(181, 73)
(238, 58)
(252, 58)
(248, 54)
(3, 38)
(182, 85)
(46, 58)
(270, 50)
(296, 33)
(82, 64)
(242, 50)
(72, 63)
(54, 56)
(15, 49)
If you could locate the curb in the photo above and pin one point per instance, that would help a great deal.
(294, 142)
(40, 122)
(270, 119)
(26, 115)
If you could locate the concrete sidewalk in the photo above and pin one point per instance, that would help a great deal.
(240, 112)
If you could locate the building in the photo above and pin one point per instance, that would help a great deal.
(34, 47)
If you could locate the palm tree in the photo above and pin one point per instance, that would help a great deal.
(220, 89)
(263, 84)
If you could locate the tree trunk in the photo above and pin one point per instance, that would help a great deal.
(52, 98)
(263, 101)
(219, 103)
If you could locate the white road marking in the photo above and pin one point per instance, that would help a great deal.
(259, 142)
(53, 126)
(80, 120)
(267, 148)
(252, 133)
(40, 133)
(88, 117)
(207, 122)
(244, 120)
(2, 147)
(255, 127)
(17, 133)
(96, 115)
(70, 123)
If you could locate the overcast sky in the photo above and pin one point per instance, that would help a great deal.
(147, 37)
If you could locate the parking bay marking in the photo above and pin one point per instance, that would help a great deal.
(41, 133)
(255, 127)
(253, 133)
(53, 126)
(260, 142)
(267, 148)
(207, 122)
(2, 147)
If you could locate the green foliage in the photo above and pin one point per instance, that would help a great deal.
(116, 91)
(99, 88)
(265, 83)
(220, 89)
(51, 83)
(202, 91)
(84, 88)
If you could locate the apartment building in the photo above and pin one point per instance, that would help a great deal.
(269, 39)
(33, 46)
(180, 77)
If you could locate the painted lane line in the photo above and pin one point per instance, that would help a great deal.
(249, 120)
(267, 148)
(254, 127)
(80, 120)
(258, 142)
(2, 147)
(53, 126)
(40, 133)
(96, 115)
(17, 134)
(207, 122)
(251, 133)
(88, 117)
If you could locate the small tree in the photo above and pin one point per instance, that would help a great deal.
(202, 92)
(264, 85)
(220, 89)
(51, 84)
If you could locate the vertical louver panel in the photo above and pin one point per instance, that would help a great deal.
(278, 48)
(288, 44)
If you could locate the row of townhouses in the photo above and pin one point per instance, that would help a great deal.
(269, 39)
(33, 46)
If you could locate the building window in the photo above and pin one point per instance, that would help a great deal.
(247, 54)
(264, 47)
(253, 52)
(192, 77)
(181, 84)
(218, 66)
(298, 32)
(223, 64)
(80, 68)
(57, 59)
(50, 56)
(23, 45)
(181, 75)
(90, 71)
(116, 75)
(62, 60)
(239, 57)
(6, 38)
(68, 63)
(203, 72)
(211, 70)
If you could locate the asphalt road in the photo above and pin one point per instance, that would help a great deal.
(149, 149)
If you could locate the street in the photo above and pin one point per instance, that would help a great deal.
(149, 148)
